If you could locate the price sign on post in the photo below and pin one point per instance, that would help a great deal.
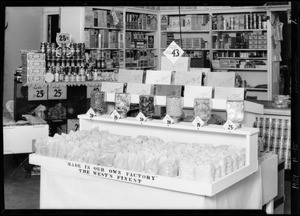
(141, 117)
(89, 90)
(37, 93)
(173, 52)
(57, 93)
(198, 122)
(115, 115)
(168, 120)
(63, 38)
(229, 125)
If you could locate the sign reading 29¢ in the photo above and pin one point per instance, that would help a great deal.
(37, 93)
(57, 93)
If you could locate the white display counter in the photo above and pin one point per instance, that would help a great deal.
(19, 139)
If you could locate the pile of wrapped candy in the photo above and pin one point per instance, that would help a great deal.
(191, 161)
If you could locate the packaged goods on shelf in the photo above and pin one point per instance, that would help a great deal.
(33, 67)
(194, 161)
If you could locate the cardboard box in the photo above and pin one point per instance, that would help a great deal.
(221, 79)
(229, 93)
(158, 77)
(187, 78)
(34, 65)
(112, 87)
(182, 64)
(34, 72)
(167, 90)
(192, 92)
(132, 76)
(33, 56)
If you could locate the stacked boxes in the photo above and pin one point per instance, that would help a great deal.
(33, 66)
(257, 40)
(188, 23)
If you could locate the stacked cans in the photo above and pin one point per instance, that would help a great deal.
(33, 67)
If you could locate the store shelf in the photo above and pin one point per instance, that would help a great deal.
(240, 49)
(103, 49)
(140, 30)
(238, 30)
(95, 27)
(257, 89)
(140, 48)
(247, 58)
(183, 32)
(242, 69)
(191, 49)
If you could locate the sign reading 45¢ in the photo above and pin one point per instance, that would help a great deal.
(57, 93)
(63, 38)
(37, 93)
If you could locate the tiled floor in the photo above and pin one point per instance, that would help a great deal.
(22, 191)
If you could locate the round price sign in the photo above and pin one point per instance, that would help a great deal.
(173, 52)
(63, 38)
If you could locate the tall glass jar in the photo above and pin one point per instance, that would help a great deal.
(235, 111)
(122, 104)
(175, 107)
(146, 105)
(202, 108)
(97, 102)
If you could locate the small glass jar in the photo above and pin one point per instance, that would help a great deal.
(202, 108)
(281, 101)
(175, 107)
(122, 104)
(97, 102)
(235, 111)
(146, 105)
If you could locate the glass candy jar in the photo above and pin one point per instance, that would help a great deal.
(281, 101)
(122, 104)
(202, 108)
(146, 105)
(174, 107)
(235, 111)
(97, 102)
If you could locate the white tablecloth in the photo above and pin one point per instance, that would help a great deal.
(61, 190)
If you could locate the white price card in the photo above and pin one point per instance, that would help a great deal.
(89, 90)
(229, 125)
(168, 120)
(37, 93)
(63, 38)
(57, 92)
(115, 115)
(173, 52)
(198, 122)
(141, 117)
(91, 113)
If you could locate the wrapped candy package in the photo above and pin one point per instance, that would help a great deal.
(235, 111)
(202, 108)
(191, 161)
(122, 104)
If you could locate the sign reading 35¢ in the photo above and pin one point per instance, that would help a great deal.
(37, 93)
(57, 93)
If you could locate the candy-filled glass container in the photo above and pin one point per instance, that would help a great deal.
(98, 102)
(146, 105)
(122, 104)
(235, 111)
(175, 107)
(202, 108)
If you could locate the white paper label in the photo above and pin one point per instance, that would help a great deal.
(168, 120)
(229, 125)
(57, 93)
(63, 38)
(198, 122)
(37, 93)
(173, 52)
(141, 117)
(115, 115)
(91, 113)
(89, 90)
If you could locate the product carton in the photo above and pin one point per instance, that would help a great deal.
(229, 93)
(182, 64)
(187, 78)
(132, 76)
(221, 79)
(32, 56)
(33, 79)
(158, 77)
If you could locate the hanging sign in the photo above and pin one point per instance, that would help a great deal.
(168, 120)
(37, 93)
(198, 122)
(229, 125)
(89, 90)
(57, 92)
(63, 38)
(141, 117)
(173, 52)
(115, 115)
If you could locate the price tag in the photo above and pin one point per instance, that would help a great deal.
(198, 122)
(115, 115)
(229, 125)
(63, 38)
(173, 52)
(57, 92)
(89, 90)
(37, 93)
(141, 117)
(168, 120)
(91, 113)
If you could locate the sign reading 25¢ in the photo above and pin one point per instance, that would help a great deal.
(57, 93)
(37, 93)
